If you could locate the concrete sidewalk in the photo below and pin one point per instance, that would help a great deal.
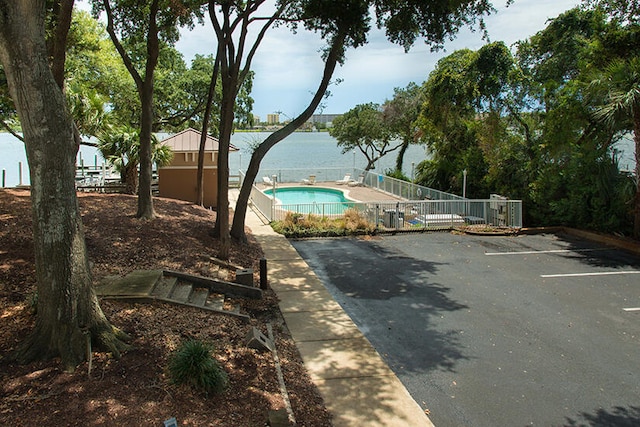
(358, 387)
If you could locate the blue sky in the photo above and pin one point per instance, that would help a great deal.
(288, 66)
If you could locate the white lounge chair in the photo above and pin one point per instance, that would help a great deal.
(310, 181)
(345, 180)
(358, 183)
(267, 181)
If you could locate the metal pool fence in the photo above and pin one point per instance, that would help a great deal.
(417, 214)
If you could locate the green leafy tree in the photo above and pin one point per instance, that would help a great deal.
(93, 71)
(401, 114)
(477, 117)
(621, 109)
(447, 122)
(138, 29)
(363, 128)
(120, 146)
(622, 10)
(561, 62)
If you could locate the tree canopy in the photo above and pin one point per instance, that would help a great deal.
(363, 128)
(541, 123)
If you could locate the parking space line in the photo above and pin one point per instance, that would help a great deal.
(632, 309)
(600, 273)
(553, 251)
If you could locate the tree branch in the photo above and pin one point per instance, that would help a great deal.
(128, 63)
(11, 131)
(63, 10)
(247, 67)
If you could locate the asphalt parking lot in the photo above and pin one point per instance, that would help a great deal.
(496, 331)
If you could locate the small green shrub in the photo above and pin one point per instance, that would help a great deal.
(194, 364)
(394, 173)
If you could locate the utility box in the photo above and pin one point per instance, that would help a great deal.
(498, 206)
(391, 220)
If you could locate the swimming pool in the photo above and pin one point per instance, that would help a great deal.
(317, 200)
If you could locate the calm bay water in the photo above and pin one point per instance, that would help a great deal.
(300, 150)
(303, 150)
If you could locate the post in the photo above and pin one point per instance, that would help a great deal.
(413, 168)
(20, 174)
(263, 274)
(274, 178)
(464, 184)
(4, 177)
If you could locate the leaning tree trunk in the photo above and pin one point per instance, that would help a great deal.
(68, 313)
(221, 230)
(240, 212)
(401, 153)
(205, 133)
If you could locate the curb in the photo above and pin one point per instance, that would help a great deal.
(624, 243)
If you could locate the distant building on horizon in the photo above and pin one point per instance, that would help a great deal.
(323, 118)
(273, 119)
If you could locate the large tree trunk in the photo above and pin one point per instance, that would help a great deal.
(68, 311)
(205, 132)
(221, 230)
(145, 198)
(240, 212)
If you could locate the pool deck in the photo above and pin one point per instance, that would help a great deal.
(359, 193)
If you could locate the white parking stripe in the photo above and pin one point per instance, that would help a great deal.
(601, 273)
(632, 309)
(554, 251)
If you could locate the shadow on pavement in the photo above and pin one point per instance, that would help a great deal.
(398, 292)
(618, 416)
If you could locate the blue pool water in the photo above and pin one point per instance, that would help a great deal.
(312, 200)
(300, 195)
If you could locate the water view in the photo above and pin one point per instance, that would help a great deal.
(299, 150)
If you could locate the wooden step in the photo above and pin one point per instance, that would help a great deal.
(178, 288)
(164, 287)
(215, 302)
(181, 292)
(199, 297)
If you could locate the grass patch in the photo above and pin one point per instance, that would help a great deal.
(193, 364)
(309, 225)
